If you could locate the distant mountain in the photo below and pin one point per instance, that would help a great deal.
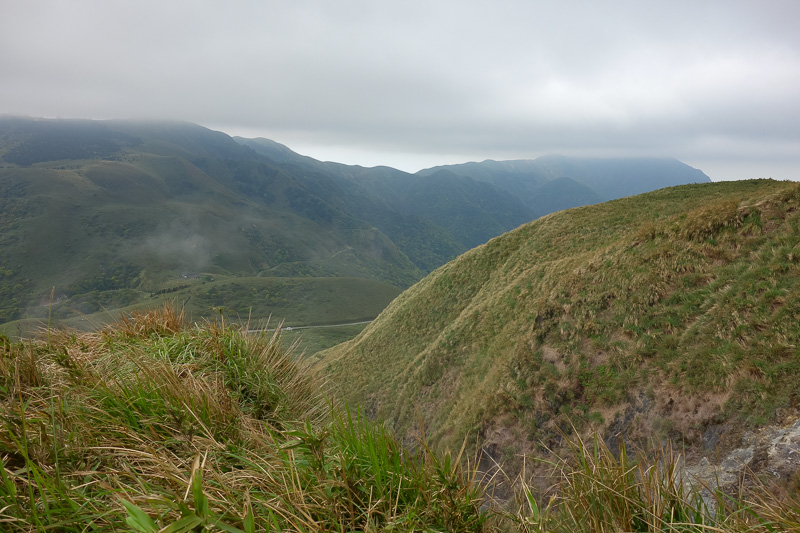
(130, 208)
(112, 212)
(432, 218)
(377, 196)
(562, 193)
(603, 179)
(668, 315)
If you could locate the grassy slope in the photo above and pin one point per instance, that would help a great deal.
(681, 305)
(151, 426)
(291, 301)
(113, 231)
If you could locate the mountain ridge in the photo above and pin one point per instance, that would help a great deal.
(115, 211)
(603, 178)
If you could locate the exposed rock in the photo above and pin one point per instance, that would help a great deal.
(772, 453)
(622, 424)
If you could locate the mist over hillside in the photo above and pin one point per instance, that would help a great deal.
(101, 215)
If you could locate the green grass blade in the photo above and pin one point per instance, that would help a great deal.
(138, 519)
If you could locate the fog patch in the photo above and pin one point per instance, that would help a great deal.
(182, 247)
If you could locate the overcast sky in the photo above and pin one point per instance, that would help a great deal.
(412, 84)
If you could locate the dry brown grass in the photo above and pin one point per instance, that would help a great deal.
(156, 321)
(596, 489)
(150, 424)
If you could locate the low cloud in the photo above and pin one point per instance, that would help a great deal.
(425, 80)
(179, 246)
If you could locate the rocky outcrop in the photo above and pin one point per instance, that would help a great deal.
(771, 454)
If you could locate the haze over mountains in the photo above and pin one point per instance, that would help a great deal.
(554, 182)
(109, 213)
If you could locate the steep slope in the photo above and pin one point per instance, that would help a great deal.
(668, 314)
(472, 211)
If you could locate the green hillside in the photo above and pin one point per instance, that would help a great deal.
(665, 315)
(135, 209)
(432, 219)
(100, 215)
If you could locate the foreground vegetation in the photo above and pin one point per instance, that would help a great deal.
(148, 425)
(596, 489)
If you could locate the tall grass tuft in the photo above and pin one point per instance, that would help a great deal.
(596, 490)
(149, 425)
(155, 321)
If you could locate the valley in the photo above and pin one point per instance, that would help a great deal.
(399, 267)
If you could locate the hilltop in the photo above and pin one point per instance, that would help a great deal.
(669, 316)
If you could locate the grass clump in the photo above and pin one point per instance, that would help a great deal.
(597, 490)
(151, 425)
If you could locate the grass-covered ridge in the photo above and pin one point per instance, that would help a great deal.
(148, 424)
(660, 314)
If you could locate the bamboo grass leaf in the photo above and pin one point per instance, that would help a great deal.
(187, 523)
(138, 519)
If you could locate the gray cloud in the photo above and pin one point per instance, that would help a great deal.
(405, 83)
